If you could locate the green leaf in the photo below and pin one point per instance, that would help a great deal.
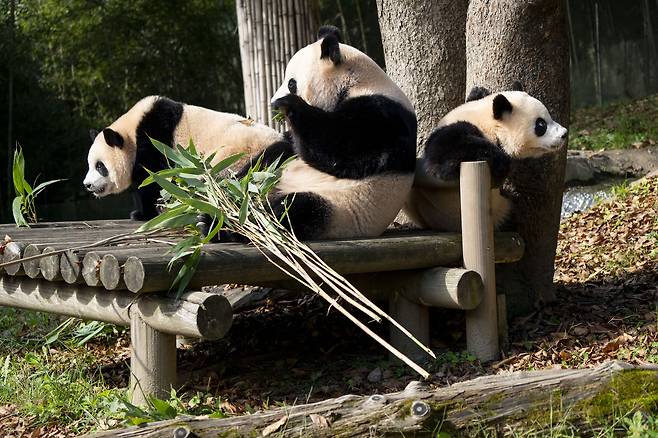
(45, 184)
(188, 156)
(157, 221)
(186, 272)
(169, 186)
(16, 209)
(164, 409)
(168, 173)
(225, 163)
(203, 206)
(170, 153)
(18, 172)
(244, 208)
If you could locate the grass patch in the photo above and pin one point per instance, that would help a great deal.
(618, 125)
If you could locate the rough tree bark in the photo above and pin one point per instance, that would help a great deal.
(501, 403)
(424, 47)
(526, 40)
(270, 32)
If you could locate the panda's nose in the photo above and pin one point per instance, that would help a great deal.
(87, 186)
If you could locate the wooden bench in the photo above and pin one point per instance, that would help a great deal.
(126, 284)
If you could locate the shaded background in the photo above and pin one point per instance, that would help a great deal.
(80, 64)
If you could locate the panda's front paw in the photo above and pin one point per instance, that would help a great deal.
(500, 165)
(288, 104)
(137, 215)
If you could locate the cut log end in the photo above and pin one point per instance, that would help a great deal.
(70, 267)
(31, 267)
(110, 273)
(133, 274)
(214, 317)
(91, 269)
(13, 251)
(49, 265)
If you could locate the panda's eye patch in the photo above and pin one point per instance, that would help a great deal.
(540, 127)
(100, 168)
(292, 86)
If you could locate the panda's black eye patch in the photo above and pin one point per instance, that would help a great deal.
(540, 127)
(292, 86)
(100, 168)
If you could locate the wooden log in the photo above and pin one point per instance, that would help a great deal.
(31, 267)
(225, 263)
(91, 268)
(152, 362)
(111, 274)
(415, 318)
(537, 400)
(195, 314)
(49, 266)
(70, 266)
(478, 243)
(13, 251)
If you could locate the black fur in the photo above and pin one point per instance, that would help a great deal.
(159, 123)
(329, 30)
(363, 136)
(501, 106)
(329, 48)
(113, 138)
(517, 86)
(283, 149)
(307, 214)
(477, 93)
(450, 145)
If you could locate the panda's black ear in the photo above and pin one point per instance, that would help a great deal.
(329, 30)
(477, 93)
(501, 106)
(330, 46)
(93, 133)
(113, 138)
(517, 86)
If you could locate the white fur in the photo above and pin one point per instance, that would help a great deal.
(211, 131)
(435, 204)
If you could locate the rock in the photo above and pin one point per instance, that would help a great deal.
(587, 166)
(375, 376)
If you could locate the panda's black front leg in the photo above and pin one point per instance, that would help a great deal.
(145, 200)
(453, 144)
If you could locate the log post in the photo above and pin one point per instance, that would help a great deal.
(152, 361)
(49, 266)
(13, 251)
(478, 243)
(415, 318)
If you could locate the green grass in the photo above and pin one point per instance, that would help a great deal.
(619, 125)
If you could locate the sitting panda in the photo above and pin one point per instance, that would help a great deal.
(497, 128)
(120, 153)
(354, 133)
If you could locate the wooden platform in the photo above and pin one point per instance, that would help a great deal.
(125, 282)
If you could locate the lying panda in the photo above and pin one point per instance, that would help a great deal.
(354, 133)
(119, 154)
(497, 128)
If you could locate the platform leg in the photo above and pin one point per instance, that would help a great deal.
(415, 318)
(152, 361)
(478, 245)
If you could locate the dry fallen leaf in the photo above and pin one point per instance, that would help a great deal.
(319, 420)
(274, 426)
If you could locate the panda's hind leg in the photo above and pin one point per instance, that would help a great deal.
(450, 145)
(306, 213)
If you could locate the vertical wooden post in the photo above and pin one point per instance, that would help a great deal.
(152, 361)
(477, 241)
(415, 318)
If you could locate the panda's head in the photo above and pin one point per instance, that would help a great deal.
(327, 72)
(523, 125)
(110, 160)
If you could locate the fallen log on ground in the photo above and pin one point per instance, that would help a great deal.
(537, 399)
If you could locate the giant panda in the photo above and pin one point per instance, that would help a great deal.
(354, 133)
(120, 153)
(501, 128)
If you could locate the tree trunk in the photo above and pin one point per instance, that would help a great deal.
(538, 400)
(526, 40)
(424, 48)
(270, 32)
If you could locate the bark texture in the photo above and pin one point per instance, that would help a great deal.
(424, 46)
(270, 32)
(504, 402)
(526, 40)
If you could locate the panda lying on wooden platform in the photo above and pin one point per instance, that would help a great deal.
(497, 128)
(119, 153)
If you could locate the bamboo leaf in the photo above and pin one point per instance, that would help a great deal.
(16, 209)
(170, 153)
(43, 185)
(157, 221)
(225, 163)
(170, 187)
(168, 173)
